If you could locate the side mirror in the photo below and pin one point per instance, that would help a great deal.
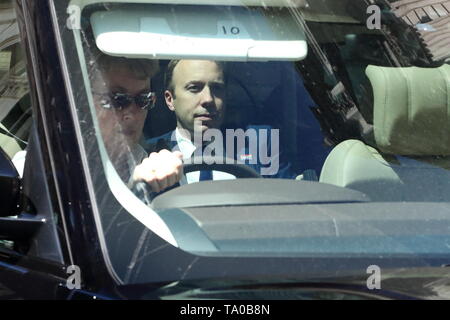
(11, 204)
(10, 187)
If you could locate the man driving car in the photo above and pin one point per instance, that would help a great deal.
(196, 93)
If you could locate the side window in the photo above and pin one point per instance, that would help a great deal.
(15, 108)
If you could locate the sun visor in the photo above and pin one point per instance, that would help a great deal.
(200, 32)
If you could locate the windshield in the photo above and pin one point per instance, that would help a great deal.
(291, 129)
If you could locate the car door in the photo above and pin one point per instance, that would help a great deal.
(43, 251)
(31, 257)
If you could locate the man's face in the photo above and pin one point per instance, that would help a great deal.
(198, 97)
(119, 126)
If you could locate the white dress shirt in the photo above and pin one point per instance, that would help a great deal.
(187, 148)
(19, 161)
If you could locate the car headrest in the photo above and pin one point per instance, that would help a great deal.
(411, 110)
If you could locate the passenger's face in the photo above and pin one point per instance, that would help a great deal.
(125, 125)
(198, 97)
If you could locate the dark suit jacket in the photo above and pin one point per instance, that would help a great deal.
(243, 155)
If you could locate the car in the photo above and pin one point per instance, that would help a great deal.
(344, 103)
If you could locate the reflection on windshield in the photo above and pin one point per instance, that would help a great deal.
(226, 157)
(220, 119)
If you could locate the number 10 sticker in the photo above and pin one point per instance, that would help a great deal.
(232, 29)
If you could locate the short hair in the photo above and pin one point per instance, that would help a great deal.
(168, 76)
(140, 68)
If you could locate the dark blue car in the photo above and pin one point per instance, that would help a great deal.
(350, 103)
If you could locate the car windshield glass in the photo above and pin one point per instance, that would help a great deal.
(223, 129)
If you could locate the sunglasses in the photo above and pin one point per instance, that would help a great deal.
(121, 101)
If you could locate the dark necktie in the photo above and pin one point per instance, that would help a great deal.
(206, 175)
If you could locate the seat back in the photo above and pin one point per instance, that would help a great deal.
(411, 158)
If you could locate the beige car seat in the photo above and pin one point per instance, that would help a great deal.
(411, 158)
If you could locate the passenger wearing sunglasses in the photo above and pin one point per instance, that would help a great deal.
(122, 97)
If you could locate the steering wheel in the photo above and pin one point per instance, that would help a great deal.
(228, 165)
